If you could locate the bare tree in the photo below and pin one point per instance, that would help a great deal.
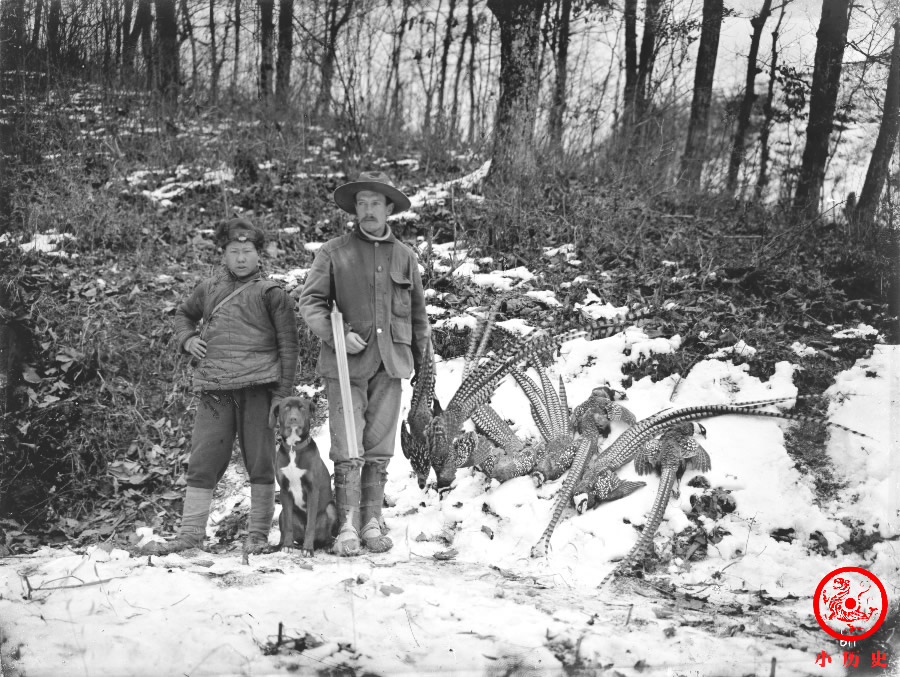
(647, 58)
(237, 46)
(142, 22)
(513, 152)
(558, 107)
(460, 62)
(631, 64)
(692, 160)
(167, 56)
(394, 86)
(266, 40)
(879, 165)
(285, 49)
(445, 56)
(336, 17)
(743, 118)
(53, 20)
(36, 33)
(188, 31)
(762, 177)
(832, 38)
(214, 64)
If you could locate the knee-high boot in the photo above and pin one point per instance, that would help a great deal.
(346, 496)
(374, 477)
(262, 508)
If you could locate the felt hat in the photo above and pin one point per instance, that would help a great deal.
(239, 230)
(379, 182)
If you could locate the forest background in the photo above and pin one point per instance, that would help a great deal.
(754, 144)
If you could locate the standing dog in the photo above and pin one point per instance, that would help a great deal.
(308, 513)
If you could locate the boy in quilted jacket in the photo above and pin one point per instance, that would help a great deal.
(242, 330)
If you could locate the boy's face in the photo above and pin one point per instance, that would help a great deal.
(241, 258)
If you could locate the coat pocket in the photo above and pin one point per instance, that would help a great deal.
(400, 294)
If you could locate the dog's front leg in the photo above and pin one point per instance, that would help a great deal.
(312, 512)
(286, 521)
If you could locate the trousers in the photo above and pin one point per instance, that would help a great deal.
(222, 414)
(376, 412)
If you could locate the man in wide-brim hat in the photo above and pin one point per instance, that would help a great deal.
(375, 281)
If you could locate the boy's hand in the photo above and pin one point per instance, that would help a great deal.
(196, 347)
(354, 343)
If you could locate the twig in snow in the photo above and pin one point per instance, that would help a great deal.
(409, 622)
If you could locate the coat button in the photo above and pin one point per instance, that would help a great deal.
(379, 269)
(378, 331)
(376, 244)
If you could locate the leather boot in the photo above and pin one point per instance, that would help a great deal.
(262, 508)
(346, 497)
(194, 516)
(374, 477)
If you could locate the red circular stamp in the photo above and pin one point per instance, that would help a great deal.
(850, 603)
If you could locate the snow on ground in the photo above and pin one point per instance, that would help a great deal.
(491, 608)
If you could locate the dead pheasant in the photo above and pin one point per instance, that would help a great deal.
(479, 385)
(421, 412)
(599, 404)
(674, 451)
(624, 447)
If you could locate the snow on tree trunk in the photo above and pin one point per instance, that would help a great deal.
(880, 163)
(692, 160)
(513, 151)
(832, 38)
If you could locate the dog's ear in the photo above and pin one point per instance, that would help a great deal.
(274, 413)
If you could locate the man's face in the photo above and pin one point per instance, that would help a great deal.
(372, 210)
(241, 258)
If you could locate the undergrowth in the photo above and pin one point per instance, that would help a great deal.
(99, 414)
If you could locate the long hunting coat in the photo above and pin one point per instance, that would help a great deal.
(378, 289)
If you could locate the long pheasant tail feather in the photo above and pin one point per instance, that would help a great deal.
(469, 360)
(560, 425)
(564, 496)
(564, 405)
(535, 398)
(654, 519)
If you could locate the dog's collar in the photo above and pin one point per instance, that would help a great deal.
(301, 443)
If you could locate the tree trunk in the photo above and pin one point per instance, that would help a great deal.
(879, 165)
(394, 74)
(266, 39)
(189, 32)
(460, 62)
(762, 179)
(631, 63)
(53, 19)
(36, 33)
(237, 47)
(285, 49)
(470, 71)
(513, 154)
(147, 48)
(12, 34)
(695, 149)
(167, 52)
(558, 108)
(645, 65)
(743, 120)
(832, 38)
(445, 56)
(213, 56)
(333, 26)
(142, 21)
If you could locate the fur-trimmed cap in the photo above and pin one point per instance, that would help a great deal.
(379, 182)
(239, 230)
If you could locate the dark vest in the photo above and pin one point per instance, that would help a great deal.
(241, 348)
